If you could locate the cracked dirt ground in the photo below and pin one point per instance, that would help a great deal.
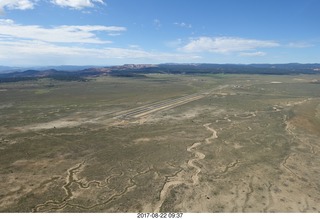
(165, 143)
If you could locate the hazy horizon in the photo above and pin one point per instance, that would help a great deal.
(109, 32)
(168, 63)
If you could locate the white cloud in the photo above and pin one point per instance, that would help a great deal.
(157, 23)
(252, 54)
(226, 44)
(77, 4)
(6, 22)
(32, 52)
(61, 34)
(299, 45)
(71, 44)
(134, 46)
(174, 43)
(16, 4)
(182, 24)
(29, 4)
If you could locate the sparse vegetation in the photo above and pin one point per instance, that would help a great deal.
(160, 142)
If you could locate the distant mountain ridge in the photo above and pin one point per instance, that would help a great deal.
(8, 69)
(139, 70)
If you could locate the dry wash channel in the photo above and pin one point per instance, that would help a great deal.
(193, 167)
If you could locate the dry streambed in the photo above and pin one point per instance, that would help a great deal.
(194, 168)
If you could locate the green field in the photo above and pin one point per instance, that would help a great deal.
(161, 143)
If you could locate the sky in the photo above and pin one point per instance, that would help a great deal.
(114, 32)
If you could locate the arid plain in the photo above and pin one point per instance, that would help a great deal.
(161, 143)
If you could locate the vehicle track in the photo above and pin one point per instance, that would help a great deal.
(163, 105)
(167, 104)
(154, 104)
